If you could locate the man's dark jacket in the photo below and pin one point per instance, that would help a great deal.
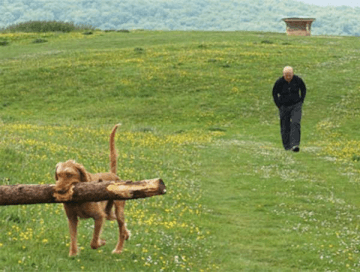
(287, 94)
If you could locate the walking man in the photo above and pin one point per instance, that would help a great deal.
(289, 94)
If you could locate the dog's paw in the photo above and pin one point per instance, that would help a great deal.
(127, 234)
(97, 244)
(115, 251)
(72, 253)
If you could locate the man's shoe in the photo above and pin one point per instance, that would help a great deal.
(295, 149)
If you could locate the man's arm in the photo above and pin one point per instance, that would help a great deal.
(275, 94)
(302, 90)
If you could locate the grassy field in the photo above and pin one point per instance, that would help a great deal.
(196, 110)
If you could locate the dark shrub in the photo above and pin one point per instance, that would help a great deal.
(217, 129)
(139, 50)
(39, 41)
(46, 26)
(267, 42)
(3, 43)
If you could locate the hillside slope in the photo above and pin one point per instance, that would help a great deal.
(197, 111)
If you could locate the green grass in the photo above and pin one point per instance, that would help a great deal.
(197, 111)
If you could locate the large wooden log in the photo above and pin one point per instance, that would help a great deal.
(83, 192)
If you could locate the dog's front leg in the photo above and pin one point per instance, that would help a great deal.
(73, 222)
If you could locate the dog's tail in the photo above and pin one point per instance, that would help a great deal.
(113, 155)
(113, 169)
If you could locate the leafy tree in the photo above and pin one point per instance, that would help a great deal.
(262, 15)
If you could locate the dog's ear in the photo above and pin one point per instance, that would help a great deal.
(56, 167)
(84, 177)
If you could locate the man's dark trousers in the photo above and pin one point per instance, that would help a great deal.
(290, 117)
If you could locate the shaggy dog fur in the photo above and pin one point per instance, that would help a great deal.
(69, 173)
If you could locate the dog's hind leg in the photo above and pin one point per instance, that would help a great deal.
(97, 242)
(99, 217)
(124, 234)
(110, 215)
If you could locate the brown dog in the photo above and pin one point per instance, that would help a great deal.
(69, 173)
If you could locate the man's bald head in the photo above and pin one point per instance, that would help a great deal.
(288, 73)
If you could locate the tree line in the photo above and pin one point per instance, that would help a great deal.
(224, 15)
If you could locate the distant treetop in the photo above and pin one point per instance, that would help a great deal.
(226, 15)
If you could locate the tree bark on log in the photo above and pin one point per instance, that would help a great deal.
(22, 194)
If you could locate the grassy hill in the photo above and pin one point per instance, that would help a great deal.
(197, 111)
